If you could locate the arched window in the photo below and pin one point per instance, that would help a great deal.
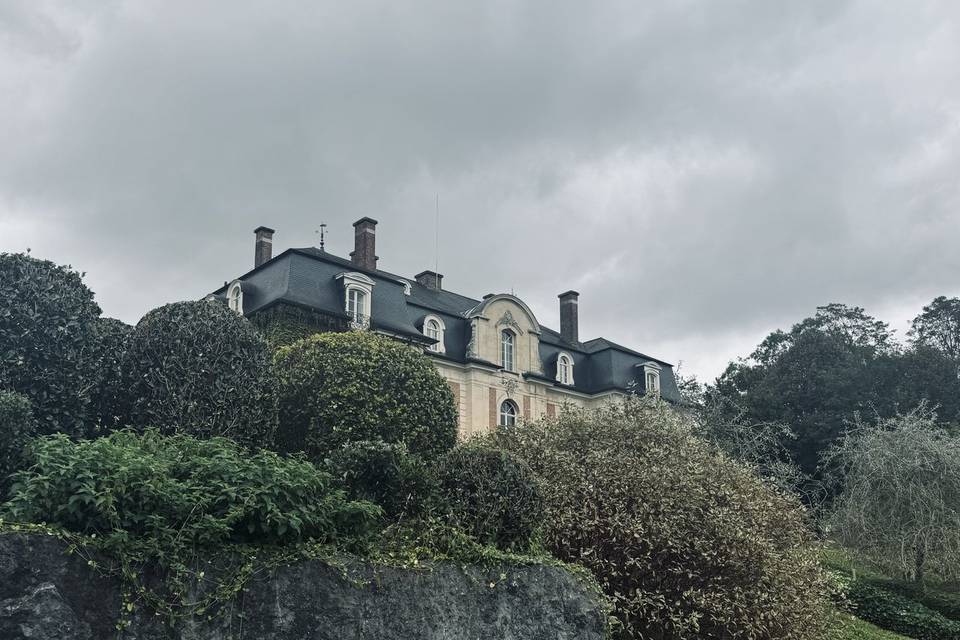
(433, 328)
(235, 298)
(357, 290)
(565, 369)
(507, 347)
(508, 413)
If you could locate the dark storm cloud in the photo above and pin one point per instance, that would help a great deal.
(702, 172)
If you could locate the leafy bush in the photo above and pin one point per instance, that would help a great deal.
(45, 339)
(491, 495)
(685, 542)
(200, 368)
(335, 388)
(17, 426)
(110, 338)
(385, 474)
(180, 491)
(897, 613)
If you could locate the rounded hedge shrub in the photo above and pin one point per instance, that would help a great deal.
(686, 542)
(45, 339)
(17, 426)
(179, 491)
(110, 338)
(491, 495)
(199, 368)
(334, 388)
(385, 474)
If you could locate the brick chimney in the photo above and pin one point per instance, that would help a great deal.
(364, 253)
(569, 317)
(263, 250)
(430, 279)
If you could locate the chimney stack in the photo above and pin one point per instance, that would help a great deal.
(569, 317)
(364, 253)
(264, 246)
(430, 279)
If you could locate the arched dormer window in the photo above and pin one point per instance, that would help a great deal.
(357, 292)
(508, 413)
(507, 349)
(651, 378)
(235, 298)
(434, 328)
(565, 369)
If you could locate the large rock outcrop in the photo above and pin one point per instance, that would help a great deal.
(47, 594)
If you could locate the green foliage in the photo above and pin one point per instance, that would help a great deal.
(178, 490)
(492, 495)
(199, 368)
(899, 498)
(687, 543)
(336, 388)
(45, 340)
(849, 627)
(17, 426)
(110, 338)
(938, 327)
(387, 475)
(284, 324)
(897, 613)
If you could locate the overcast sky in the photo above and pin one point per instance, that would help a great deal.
(702, 172)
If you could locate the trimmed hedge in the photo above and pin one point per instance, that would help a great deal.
(17, 426)
(199, 368)
(894, 612)
(491, 495)
(385, 474)
(46, 340)
(110, 337)
(335, 388)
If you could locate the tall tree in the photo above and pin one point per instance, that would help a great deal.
(900, 495)
(938, 326)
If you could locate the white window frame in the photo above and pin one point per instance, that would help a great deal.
(651, 371)
(362, 285)
(438, 347)
(508, 418)
(509, 364)
(235, 297)
(564, 356)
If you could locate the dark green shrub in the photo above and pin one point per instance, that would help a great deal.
(895, 612)
(199, 368)
(17, 426)
(335, 388)
(385, 474)
(686, 542)
(110, 338)
(179, 491)
(491, 495)
(945, 603)
(45, 339)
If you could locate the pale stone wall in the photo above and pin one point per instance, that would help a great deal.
(480, 391)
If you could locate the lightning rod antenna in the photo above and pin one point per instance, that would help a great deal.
(436, 247)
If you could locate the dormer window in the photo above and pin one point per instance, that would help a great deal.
(651, 378)
(357, 304)
(507, 348)
(235, 298)
(357, 293)
(433, 328)
(565, 369)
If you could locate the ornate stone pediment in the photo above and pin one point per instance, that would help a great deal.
(507, 320)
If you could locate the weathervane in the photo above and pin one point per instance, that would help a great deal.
(323, 232)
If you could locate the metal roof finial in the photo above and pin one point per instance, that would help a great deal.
(323, 232)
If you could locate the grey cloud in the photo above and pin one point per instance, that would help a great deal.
(702, 172)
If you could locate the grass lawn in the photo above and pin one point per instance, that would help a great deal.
(852, 628)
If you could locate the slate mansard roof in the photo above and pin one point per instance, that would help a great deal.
(307, 278)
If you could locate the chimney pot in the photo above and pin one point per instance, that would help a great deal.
(569, 316)
(263, 249)
(364, 253)
(430, 279)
